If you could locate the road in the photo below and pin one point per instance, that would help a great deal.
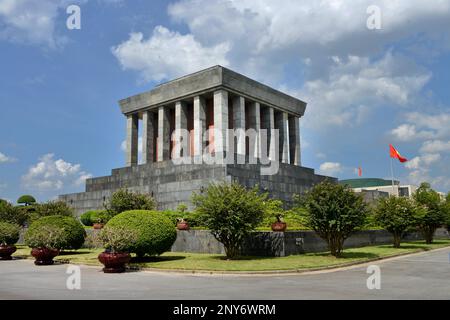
(419, 276)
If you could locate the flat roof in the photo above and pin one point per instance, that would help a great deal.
(208, 80)
(368, 182)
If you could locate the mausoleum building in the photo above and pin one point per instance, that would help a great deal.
(210, 126)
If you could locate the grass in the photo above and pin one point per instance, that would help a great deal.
(215, 262)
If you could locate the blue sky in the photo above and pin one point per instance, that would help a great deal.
(60, 121)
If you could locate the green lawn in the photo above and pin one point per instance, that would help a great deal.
(214, 262)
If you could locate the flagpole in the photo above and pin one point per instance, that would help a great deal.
(392, 175)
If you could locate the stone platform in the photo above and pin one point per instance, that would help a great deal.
(172, 184)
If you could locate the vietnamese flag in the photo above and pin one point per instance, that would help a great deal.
(395, 154)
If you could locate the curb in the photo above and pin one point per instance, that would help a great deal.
(289, 272)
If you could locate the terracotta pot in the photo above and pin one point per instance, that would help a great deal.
(98, 225)
(44, 256)
(183, 226)
(279, 226)
(6, 251)
(114, 262)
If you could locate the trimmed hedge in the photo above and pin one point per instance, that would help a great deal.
(90, 217)
(26, 199)
(85, 218)
(9, 233)
(155, 231)
(72, 232)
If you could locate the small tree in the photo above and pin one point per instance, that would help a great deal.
(334, 212)
(51, 208)
(447, 211)
(230, 212)
(396, 215)
(26, 200)
(12, 214)
(433, 214)
(125, 200)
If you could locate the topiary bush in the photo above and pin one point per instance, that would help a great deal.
(70, 232)
(26, 199)
(116, 239)
(100, 216)
(85, 218)
(155, 232)
(9, 233)
(94, 216)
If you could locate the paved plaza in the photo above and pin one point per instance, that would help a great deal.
(418, 276)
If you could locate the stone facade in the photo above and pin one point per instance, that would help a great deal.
(206, 106)
(172, 184)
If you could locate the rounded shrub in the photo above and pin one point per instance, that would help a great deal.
(70, 233)
(100, 216)
(26, 199)
(9, 233)
(155, 232)
(85, 218)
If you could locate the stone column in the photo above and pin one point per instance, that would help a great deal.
(220, 122)
(132, 139)
(294, 140)
(239, 125)
(181, 142)
(148, 136)
(254, 122)
(282, 125)
(199, 125)
(269, 125)
(163, 134)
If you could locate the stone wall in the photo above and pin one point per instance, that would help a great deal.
(279, 244)
(172, 184)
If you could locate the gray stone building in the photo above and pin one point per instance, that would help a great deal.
(209, 126)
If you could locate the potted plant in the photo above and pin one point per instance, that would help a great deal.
(9, 235)
(45, 242)
(99, 219)
(182, 224)
(279, 225)
(116, 241)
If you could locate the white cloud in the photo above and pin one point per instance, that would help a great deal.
(330, 168)
(52, 175)
(409, 132)
(356, 86)
(4, 158)
(423, 161)
(265, 34)
(422, 126)
(434, 146)
(32, 22)
(167, 54)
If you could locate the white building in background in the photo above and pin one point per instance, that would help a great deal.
(381, 187)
